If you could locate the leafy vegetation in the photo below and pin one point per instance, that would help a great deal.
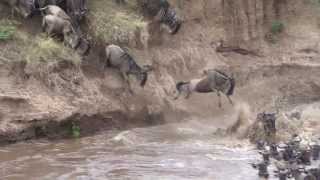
(75, 130)
(276, 27)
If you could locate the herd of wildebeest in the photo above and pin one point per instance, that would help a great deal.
(62, 19)
(292, 159)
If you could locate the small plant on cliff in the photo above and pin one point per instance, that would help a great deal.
(6, 32)
(75, 130)
(276, 27)
(7, 29)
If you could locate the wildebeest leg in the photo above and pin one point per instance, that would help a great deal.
(126, 79)
(177, 95)
(187, 95)
(230, 101)
(219, 99)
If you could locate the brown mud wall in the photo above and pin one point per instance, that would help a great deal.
(96, 99)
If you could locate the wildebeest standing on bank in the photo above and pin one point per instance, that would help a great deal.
(55, 11)
(76, 9)
(213, 81)
(22, 7)
(56, 26)
(118, 58)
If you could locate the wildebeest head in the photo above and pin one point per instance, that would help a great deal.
(172, 21)
(24, 7)
(232, 85)
(176, 27)
(77, 8)
(71, 38)
(180, 84)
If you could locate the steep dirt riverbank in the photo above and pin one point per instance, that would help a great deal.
(37, 103)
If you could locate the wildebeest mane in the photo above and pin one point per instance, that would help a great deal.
(222, 73)
(135, 68)
(144, 80)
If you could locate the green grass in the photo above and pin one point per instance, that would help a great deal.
(45, 49)
(75, 130)
(7, 29)
(114, 23)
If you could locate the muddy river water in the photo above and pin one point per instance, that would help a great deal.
(168, 152)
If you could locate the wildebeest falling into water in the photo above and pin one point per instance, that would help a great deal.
(213, 81)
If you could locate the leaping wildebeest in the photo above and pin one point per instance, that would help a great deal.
(213, 81)
(116, 57)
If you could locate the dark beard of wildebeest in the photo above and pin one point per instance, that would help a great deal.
(213, 81)
(118, 58)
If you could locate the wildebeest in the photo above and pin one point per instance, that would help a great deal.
(269, 123)
(118, 58)
(55, 11)
(162, 12)
(22, 7)
(213, 81)
(77, 9)
(56, 26)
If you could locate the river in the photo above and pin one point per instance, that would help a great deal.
(167, 152)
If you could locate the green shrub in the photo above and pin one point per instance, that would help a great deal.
(7, 29)
(276, 27)
(75, 130)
